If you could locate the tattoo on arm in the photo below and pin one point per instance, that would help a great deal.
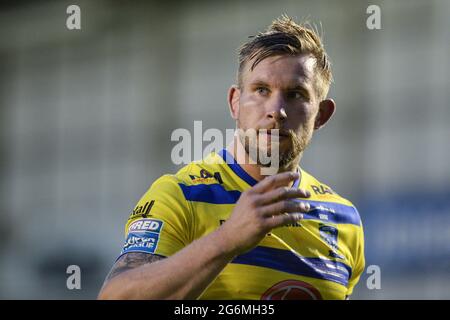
(130, 261)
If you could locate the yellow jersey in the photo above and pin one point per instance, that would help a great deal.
(318, 257)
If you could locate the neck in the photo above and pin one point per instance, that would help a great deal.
(237, 150)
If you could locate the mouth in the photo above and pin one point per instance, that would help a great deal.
(276, 132)
(281, 137)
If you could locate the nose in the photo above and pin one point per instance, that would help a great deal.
(277, 109)
(278, 115)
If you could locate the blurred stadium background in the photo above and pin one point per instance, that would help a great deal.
(86, 118)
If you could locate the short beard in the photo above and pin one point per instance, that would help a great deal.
(286, 158)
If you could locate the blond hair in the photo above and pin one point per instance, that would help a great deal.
(285, 37)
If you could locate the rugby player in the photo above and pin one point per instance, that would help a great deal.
(220, 229)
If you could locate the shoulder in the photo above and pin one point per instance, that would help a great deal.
(323, 193)
(206, 172)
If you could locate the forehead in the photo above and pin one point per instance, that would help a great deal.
(281, 70)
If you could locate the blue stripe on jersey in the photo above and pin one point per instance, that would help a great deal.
(210, 193)
(287, 261)
(332, 212)
(323, 211)
(237, 169)
(240, 172)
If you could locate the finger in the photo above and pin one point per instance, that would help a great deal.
(285, 206)
(275, 181)
(284, 219)
(282, 193)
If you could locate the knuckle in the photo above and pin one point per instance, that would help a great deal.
(248, 196)
(281, 192)
(304, 192)
(256, 201)
(294, 206)
(287, 218)
(268, 224)
(247, 193)
(286, 204)
(260, 224)
(257, 212)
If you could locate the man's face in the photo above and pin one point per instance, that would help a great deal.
(279, 94)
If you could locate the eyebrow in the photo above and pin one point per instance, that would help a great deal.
(259, 83)
(265, 84)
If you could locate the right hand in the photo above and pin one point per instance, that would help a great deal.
(265, 206)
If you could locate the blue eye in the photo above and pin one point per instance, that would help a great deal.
(262, 90)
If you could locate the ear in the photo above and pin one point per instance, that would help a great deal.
(234, 95)
(326, 110)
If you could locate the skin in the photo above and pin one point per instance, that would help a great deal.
(265, 206)
(278, 94)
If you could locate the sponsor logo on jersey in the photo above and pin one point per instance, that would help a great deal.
(142, 211)
(323, 208)
(206, 177)
(141, 243)
(329, 234)
(143, 225)
(292, 290)
(321, 189)
(143, 236)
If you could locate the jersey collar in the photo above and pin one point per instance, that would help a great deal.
(241, 173)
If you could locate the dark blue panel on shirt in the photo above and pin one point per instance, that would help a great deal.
(323, 211)
(237, 169)
(332, 212)
(287, 261)
(210, 193)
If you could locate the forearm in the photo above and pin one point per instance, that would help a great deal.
(185, 275)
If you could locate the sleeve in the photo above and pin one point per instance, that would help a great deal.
(359, 263)
(161, 222)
